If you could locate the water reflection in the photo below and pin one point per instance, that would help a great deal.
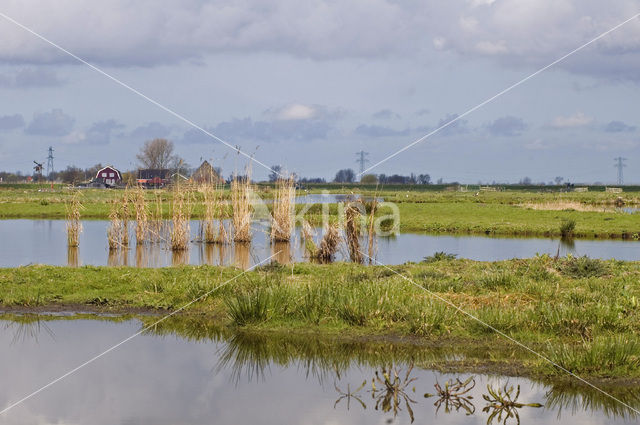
(273, 373)
(281, 252)
(42, 241)
(179, 257)
(242, 255)
(118, 257)
(72, 256)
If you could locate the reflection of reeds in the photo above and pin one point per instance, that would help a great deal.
(353, 219)
(283, 205)
(242, 256)
(180, 257)
(241, 203)
(503, 403)
(455, 395)
(180, 217)
(72, 256)
(74, 226)
(282, 252)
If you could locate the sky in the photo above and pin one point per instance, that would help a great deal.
(308, 84)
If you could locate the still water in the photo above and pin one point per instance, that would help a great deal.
(44, 241)
(203, 377)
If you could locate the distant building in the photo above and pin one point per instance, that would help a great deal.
(154, 177)
(109, 176)
(206, 174)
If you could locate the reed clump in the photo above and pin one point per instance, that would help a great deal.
(117, 233)
(180, 218)
(74, 226)
(213, 210)
(283, 209)
(241, 204)
(328, 244)
(142, 215)
(353, 220)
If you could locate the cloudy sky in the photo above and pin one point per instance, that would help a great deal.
(308, 84)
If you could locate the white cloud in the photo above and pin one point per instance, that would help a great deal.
(578, 119)
(296, 111)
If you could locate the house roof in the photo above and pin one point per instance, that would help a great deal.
(109, 167)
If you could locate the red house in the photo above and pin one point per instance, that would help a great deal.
(109, 175)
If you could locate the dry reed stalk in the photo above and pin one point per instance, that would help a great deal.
(329, 243)
(241, 203)
(114, 232)
(310, 246)
(74, 226)
(353, 219)
(371, 231)
(180, 218)
(213, 209)
(283, 209)
(124, 240)
(142, 216)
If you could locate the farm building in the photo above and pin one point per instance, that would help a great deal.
(109, 175)
(155, 177)
(206, 174)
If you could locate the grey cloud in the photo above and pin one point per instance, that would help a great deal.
(375, 131)
(266, 131)
(30, 78)
(508, 126)
(457, 127)
(151, 32)
(385, 114)
(11, 122)
(422, 112)
(618, 127)
(152, 130)
(54, 123)
(101, 132)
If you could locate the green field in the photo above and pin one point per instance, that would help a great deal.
(510, 212)
(584, 314)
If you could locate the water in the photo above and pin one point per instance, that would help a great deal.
(212, 377)
(44, 241)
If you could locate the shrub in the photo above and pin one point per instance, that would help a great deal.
(583, 267)
(567, 227)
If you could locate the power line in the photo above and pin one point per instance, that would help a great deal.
(362, 160)
(50, 163)
(620, 165)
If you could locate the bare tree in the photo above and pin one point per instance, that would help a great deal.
(157, 153)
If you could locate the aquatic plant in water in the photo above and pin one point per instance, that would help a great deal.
(503, 404)
(454, 395)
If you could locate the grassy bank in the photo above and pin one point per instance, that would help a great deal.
(584, 314)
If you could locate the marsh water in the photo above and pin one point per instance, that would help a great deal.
(199, 375)
(44, 241)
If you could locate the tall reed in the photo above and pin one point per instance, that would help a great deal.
(116, 231)
(353, 221)
(74, 226)
(283, 210)
(371, 230)
(180, 218)
(142, 215)
(213, 209)
(241, 203)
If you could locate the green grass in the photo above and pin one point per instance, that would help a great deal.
(486, 213)
(549, 303)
